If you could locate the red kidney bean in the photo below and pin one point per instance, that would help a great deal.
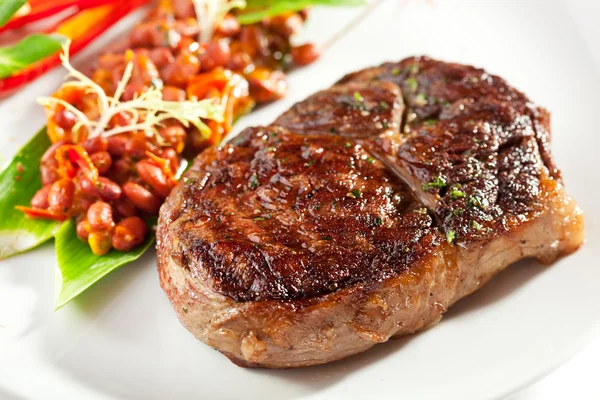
(95, 144)
(40, 198)
(65, 119)
(174, 134)
(238, 61)
(170, 154)
(181, 70)
(102, 161)
(253, 40)
(187, 27)
(183, 8)
(285, 25)
(110, 61)
(83, 229)
(49, 173)
(172, 93)
(100, 216)
(124, 208)
(143, 199)
(216, 54)
(136, 146)
(60, 195)
(116, 144)
(161, 56)
(122, 169)
(266, 85)
(305, 54)
(154, 176)
(122, 119)
(129, 233)
(133, 90)
(108, 190)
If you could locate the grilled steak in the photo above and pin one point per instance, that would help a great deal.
(361, 214)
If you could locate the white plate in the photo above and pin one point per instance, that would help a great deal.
(121, 340)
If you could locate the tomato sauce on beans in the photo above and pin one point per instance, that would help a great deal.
(111, 183)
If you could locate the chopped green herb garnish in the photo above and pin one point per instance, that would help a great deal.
(355, 194)
(478, 202)
(253, 181)
(455, 193)
(347, 144)
(383, 105)
(430, 122)
(259, 218)
(438, 183)
(458, 212)
(396, 71)
(378, 221)
(413, 69)
(309, 163)
(358, 97)
(412, 83)
(421, 99)
(450, 236)
(476, 225)
(327, 237)
(370, 160)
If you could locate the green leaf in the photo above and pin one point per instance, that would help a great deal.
(256, 10)
(18, 183)
(80, 268)
(8, 8)
(29, 50)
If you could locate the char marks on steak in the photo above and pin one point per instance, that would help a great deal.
(362, 213)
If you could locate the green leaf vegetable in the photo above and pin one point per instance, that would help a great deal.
(18, 183)
(256, 10)
(26, 52)
(8, 8)
(80, 268)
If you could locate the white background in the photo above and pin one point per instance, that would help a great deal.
(579, 378)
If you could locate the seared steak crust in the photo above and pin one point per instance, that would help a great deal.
(286, 216)
(362, 213)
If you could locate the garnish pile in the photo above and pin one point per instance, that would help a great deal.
(175, 84)
(117, 139)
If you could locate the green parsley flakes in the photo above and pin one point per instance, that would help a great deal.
(450, 236)
(476, 225)
(439, 182)
(455, 193)
(412, 84)
(354, 194)
(253, 181)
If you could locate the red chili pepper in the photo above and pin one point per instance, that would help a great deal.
(41, 213)
(40, 9)
(71, 156)
(81, 28)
